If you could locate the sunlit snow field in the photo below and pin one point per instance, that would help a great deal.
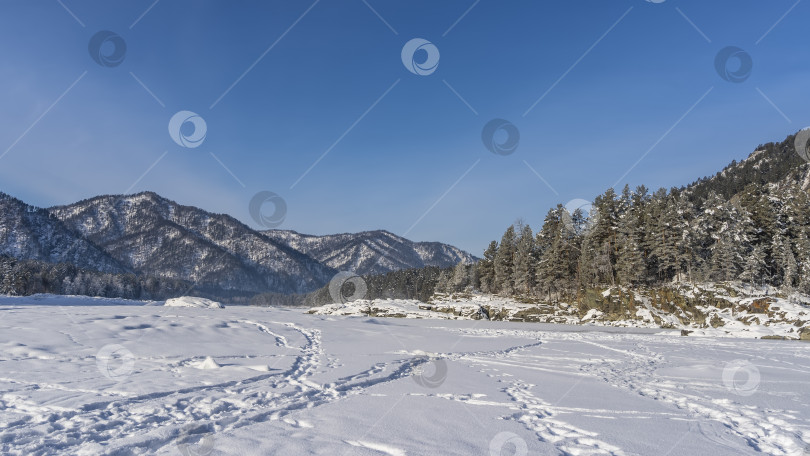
(94, 376)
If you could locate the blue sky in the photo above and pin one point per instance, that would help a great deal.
(405, 151)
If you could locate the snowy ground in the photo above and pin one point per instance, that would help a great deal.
(84, 376)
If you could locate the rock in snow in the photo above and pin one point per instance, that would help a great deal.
(193, 301)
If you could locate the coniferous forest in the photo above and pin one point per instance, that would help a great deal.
(748, 223)
(27, 277)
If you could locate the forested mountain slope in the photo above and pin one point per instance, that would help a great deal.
(372, 252)
(156, 236)
(33, 233)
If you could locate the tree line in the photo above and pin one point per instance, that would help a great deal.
(760, 236)
(27, 277)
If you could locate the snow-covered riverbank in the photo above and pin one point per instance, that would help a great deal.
(705, 310)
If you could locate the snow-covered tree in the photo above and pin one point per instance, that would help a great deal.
(505, 262)
(525, 262)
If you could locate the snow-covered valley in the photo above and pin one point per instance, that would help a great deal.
(95, 376)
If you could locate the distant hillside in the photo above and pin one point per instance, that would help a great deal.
(32, 233)
(155, 236)
(372, 252)
(769, 164)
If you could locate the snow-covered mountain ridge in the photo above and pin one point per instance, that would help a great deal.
(150, 235)
(156, 236)
(33, 233)
(372, 252)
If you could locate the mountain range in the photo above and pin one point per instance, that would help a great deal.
(147, 234)
(372, 252)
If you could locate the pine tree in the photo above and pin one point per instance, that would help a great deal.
(525, 261)
(665, 233)
(505, 263)
(754, 269)
(787, 268)
(486, 268)
(555, 271)
(725, 259)
(630, 261)
(587, 273)
(603, 235)
(460, 278)
(443, 283)
(797, 220)
(687, 240)
(803, 259)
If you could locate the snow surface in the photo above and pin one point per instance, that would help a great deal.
(88, 377)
